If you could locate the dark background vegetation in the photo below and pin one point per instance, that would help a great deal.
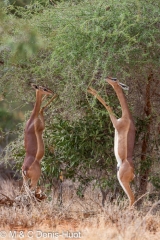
(68, 46)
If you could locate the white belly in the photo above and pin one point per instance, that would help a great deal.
(119, 161)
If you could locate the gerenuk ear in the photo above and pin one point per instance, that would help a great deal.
(123, 86)
(34, 86)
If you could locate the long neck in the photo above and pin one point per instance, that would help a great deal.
(37, 105)
(123, 102)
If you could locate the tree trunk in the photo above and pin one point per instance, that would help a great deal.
(145, 164)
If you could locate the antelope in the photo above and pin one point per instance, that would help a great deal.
(33, 140)
(124, 137)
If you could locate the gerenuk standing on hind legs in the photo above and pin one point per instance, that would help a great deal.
(33, 139)
(124, 137)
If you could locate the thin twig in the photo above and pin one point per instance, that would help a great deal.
(7, 197)
(140, 198)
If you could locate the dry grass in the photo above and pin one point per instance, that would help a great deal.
(77, 219)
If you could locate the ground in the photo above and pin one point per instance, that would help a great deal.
(77, 218)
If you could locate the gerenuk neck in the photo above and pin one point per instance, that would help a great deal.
(123, 102)
(37, 105)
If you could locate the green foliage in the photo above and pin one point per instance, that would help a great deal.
(8, 123)
(90, 38)
(6, 120)
(82, 146)
(23, 3)
(19, 41)
(84, 43)
(155, 180)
